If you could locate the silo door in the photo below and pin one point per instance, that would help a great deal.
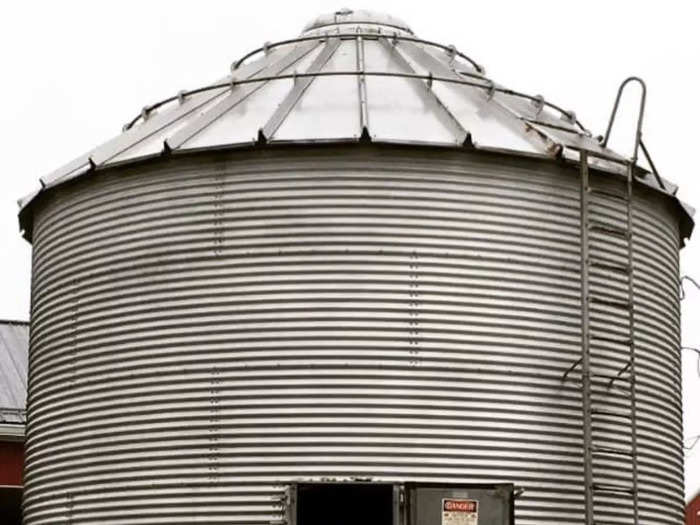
(343, 504)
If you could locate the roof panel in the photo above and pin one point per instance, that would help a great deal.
(389, 96)
(330, 107)
(147, 136)
(14, 344)
(242, 122)
(237, 94)
(154, 143)
(488, 124)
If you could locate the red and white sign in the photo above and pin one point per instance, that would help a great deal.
(460, 511)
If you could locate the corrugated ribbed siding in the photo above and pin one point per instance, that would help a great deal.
(208, 329)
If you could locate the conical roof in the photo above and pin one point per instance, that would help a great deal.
(350, 76)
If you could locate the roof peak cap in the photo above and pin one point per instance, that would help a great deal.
(347, 20)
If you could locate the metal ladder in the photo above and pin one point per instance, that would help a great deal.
(608, 397)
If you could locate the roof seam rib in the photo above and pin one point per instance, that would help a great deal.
(462, 134)
(431, 63)
(236, 96)
(164, 120)
(362, 86)
(131, 136)
(298, 89)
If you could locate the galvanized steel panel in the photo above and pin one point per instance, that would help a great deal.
(208, 330)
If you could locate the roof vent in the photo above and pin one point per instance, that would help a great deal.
(347, 20)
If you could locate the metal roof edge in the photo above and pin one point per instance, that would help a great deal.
(12, 432)
(686, 212)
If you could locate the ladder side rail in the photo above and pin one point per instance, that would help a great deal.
(632, 361)
(586, 361)
(585, 345)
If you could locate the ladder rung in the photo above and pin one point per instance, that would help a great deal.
(609, 264)
(610, 229)
(613, 451)
(608, 194)
(613, 488)
(608, 300)
(611, 413)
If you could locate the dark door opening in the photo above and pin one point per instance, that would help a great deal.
(345, 504)
(10, 505)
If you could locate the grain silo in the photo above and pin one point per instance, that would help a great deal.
(355, 281)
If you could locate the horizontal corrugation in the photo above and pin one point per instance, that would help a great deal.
(207, 330)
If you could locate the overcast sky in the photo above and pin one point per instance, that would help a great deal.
(73, 72)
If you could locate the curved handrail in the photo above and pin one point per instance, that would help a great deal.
(268, 46)
(488, 86)
(640, 118)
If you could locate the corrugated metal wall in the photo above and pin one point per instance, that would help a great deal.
(207, 329)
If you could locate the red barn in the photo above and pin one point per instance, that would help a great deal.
(14, 341)
(692, 511)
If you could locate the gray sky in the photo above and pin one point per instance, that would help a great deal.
(75, 71)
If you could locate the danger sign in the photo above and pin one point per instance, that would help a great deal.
(460, 512)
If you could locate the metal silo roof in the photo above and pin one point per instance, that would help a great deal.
(14, 344)
(351, 76)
